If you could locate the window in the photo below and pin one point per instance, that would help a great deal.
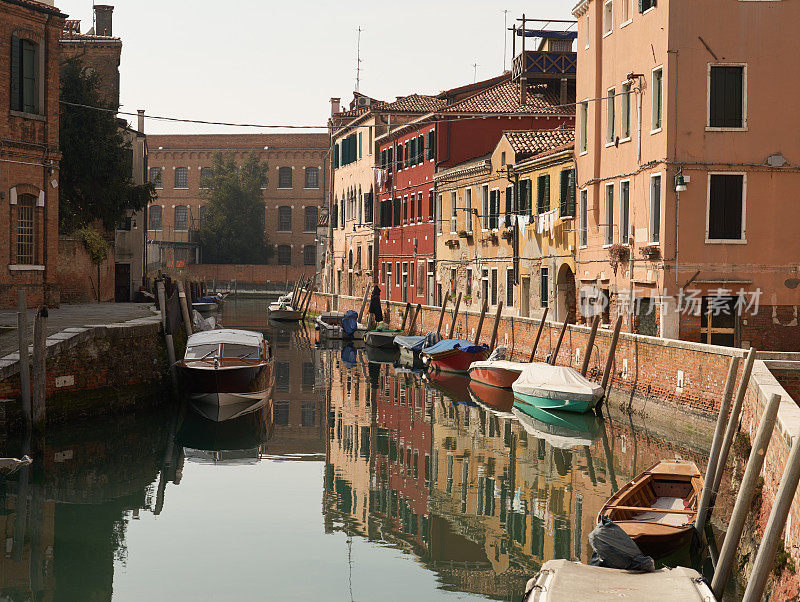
(419, 206)
(388, 273)
(624, 211)
(284, 218)
(284, 255)
(420, 148)
(609, 237)
(510, 287)
(588, 30)
(726, 96)
(412, 206)
(503, 159)
(485, 206)
(468, 209)
(154, 216)
(336, 155)
(610, 115)
(310, 255)
(399, 157)
(181, 217)
(308, 413)
(335, 216)
(524, 197)
(509, 205)
(405, 209)
(655, 209)
(360, 145)
(284, 177)
(397, 274)
(420, 278)
(584, 233)
(453, 213)
(726, 207)
(368, 206)
(205, 176)
(312, 177)
(370, 258)
(390, 159)
(625, 117)
(567, 196)
(396, 212)
(544, 288)
(468, 283)
(485, 285)
(439, 213)
(584, 126)
(658, 98)
(181, 177)
(453, 278)
(626, 11)
(157, 177)
(26, 229)
(24, 75)
(494, 209)
(494, 286)
(645, 5)
(608, 17)
(543, 194)
(202, 210)
(310, 222)
(281, 413)
(432, 144)
(383, 273)
(430, 205)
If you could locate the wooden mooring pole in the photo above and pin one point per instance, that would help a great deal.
(612, 350)
(187, 320)
(39, 368)
(308, 301)
(590, 345)
(414, 319)
(405, 316)
(493, 340)
(455, 316)
(24, 358)
(745, 496)
(162, 303)
(484, 309)
(441, 313)
(538, 334)
(554, 355)
(364, 302)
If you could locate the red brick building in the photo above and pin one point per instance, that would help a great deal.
(29, 154)
(294, 194)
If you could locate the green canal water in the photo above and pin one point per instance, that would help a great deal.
(357, 481)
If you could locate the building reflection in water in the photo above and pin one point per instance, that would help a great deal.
(481, 497)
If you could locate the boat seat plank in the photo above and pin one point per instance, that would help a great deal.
(644, 509)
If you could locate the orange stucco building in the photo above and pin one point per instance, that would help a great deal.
(687, 172)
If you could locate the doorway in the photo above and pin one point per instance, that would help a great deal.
(565, 294)
(122, 282)
(525, 296)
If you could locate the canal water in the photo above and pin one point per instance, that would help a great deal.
(358, 481)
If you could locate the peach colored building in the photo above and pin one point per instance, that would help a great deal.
(686, 168)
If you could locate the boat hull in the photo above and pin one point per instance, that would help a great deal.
(225, 392)
(496, 377)
(456, 360)
(498, 399)
(381, 338)
(579, 406)
(285, 315)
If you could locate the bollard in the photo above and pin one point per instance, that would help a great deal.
(187, 321)
(39, 368)
(538, 335)
(24, 358)
(775, 525)
(758, 453)
(716, 444)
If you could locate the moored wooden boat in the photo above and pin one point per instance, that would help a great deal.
(497, 373)
(658, 508)
(556, 388)
(283, 312)
(382, 338)
(329, 326)
(454, 355)
(494, 398)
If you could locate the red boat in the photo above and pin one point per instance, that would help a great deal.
(453, 355)
(494, 398)
(498, 373)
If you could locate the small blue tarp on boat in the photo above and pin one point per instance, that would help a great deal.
(350, 322)
(206, 299)
(417, 343)
(450, 344)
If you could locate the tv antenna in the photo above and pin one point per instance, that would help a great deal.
(358, 60)
(475, 74)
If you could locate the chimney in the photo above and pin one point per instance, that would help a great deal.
(523, 91)
(140, 121)
(563, 91)
(102, 20)
(335, 106)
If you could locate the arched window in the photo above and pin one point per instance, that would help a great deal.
(284, 177)
(310, 219)
(181, 218)
(155, 213)
(312, 177)
(26, 229)
(310, 255)
(284, 255)
(284, 218)
(202, 212)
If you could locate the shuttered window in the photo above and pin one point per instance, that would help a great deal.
(567, 193)
(726, 101)
(646, 5)
(396, 212)
(368, 202)
(543, 194)
(399, 157)
(431, 144)
(494, 209)
(24, 75)
(725, 207)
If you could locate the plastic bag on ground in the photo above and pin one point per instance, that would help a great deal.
(613, 548)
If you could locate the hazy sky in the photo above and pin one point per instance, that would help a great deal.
(271, 62)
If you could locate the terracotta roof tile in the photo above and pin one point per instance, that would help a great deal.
(528, 143)
(415, 103)
(40, 6)
(505, 98)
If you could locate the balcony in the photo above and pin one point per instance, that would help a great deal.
(542, 64)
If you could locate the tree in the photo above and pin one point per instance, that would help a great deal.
(96, 179)
(232, 230)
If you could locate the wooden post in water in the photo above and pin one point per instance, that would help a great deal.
(496, 325)
(612, 349)
(308, 302)
(538, 334)
(187, 320)
(214, 285)
(414, 318)
(405, 316)
(590, 345)
(441, 313)
(554, 356)
(162, 303)
(455, 316)
(484, 309)
(716, 444)
(745, 496)
(364, 302)
(39, 368)
(24, 358)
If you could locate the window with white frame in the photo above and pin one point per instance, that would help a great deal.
(312, 177)
(626, 10)
(609, 217)
(726, 199)
(655, 209)
(624, 211)
(453, 213)
(625, 112)
(727, 96)
(468, 209)
(544, 287)
(584, 233)
(608, 17)
(584, 107)
(645, 5)
(610, 115)
(658, 98)
(439, 214)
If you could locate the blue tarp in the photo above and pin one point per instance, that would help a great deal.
(206, 299)
(350, 322)
(449, 344)
(349, 355)
(416, 343)
(544, 33)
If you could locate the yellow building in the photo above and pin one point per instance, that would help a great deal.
(494, 245)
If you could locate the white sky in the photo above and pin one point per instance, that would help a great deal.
(279, 62)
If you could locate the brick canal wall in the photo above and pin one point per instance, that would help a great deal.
(93, 370)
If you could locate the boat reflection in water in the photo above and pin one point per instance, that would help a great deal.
(560, 429)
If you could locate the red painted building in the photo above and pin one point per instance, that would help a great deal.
(408, 213)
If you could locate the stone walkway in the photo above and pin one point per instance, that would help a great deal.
(69, 316)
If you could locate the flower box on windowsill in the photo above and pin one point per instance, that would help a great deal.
(651, 252)
(618, 253)
(508, 233)
(464, 234)
(452, 243)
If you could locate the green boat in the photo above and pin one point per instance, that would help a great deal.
(559, 388)
(561, 429)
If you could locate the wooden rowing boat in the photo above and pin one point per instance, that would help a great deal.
(658, 508)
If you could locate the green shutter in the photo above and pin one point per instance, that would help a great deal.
(641, 7)
(547, 193)
(16, 74)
